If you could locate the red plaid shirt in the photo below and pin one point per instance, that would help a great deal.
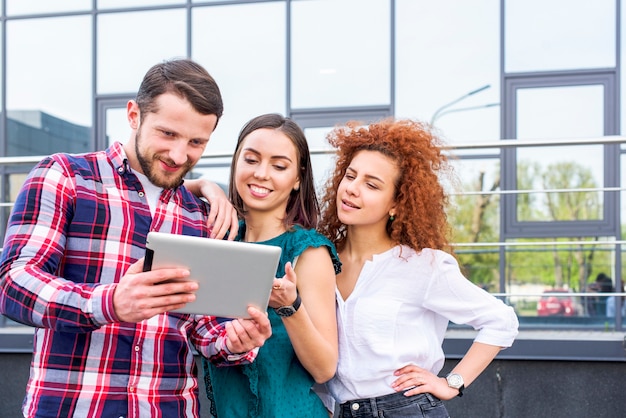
(79, 222)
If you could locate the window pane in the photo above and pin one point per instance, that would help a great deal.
(560, 112)
(340, 53)
(49, 85)
(619, 303)
(559, 34)
(623, 201)
(117, 129)
(553, 282)
(250, 67)
(446, 50)
(125, 55)
(1, 51)
(114, 4)
(623, 70)
(474, 216)
(475, 209)
(322, 156)
(21, 7)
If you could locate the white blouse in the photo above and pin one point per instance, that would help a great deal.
(398, 314)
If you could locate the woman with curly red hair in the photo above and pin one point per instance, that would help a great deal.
(384, 209)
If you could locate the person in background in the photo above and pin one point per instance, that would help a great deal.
(384, 209)
(605, 285)
(597, 305)
(105, 344)
(272, 188)
(611, 305)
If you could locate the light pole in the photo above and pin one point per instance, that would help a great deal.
(462, 109)
(442, 110)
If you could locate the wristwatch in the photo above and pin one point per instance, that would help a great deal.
(455, 381)
(289, 310)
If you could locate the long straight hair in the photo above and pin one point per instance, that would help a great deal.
(303, 206)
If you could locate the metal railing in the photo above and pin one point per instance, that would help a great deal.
(221, 160)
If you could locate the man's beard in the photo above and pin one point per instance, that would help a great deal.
(147, 166)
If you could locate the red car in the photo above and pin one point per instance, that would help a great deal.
(552, 303)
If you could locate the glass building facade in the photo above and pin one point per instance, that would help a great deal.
(527, 94)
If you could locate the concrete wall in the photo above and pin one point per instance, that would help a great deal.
(13, 377)
(555, 389)
(507, 389)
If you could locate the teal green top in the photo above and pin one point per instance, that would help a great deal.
(275, 385)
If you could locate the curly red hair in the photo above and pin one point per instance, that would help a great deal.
(420, 218)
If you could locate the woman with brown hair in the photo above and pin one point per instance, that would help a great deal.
(272, 189)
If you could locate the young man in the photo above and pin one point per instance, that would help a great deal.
(105, 344)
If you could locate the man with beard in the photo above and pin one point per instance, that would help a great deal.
(105, 343)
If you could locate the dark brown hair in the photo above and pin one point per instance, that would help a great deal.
(303, 206)
(185, 78)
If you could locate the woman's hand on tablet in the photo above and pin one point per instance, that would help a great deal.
(243, 335)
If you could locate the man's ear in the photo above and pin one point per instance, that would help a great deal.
(132, 114)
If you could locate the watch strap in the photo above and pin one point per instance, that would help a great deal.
(288, 310)
(296, 303)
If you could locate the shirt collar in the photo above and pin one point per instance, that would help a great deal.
(118, 158)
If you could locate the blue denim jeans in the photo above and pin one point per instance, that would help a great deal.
(395, 405)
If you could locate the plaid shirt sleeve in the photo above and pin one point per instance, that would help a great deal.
(32, 293)
(209, 339)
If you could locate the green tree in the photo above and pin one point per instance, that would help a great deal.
(572, 206)
(475, 219)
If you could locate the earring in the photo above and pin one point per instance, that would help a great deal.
(391, 218)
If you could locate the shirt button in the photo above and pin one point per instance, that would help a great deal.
(141, 194)
(120, 170)
(355, 406)
(131, 389)
(136, 348)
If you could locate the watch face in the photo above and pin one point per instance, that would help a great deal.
(455, 380)
(285, 311)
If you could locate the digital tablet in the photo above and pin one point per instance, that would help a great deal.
(231, 275)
